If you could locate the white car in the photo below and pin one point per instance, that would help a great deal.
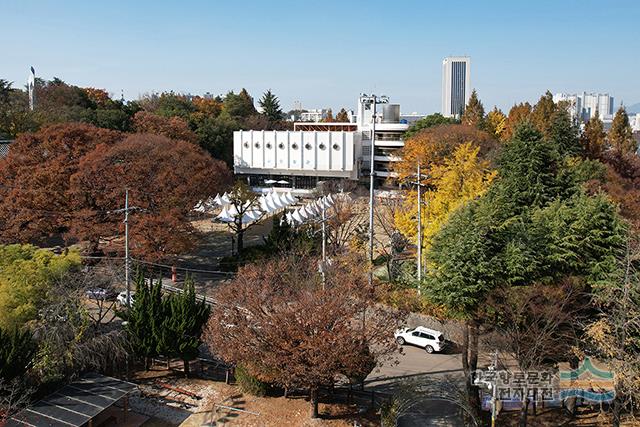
(429, 339)
(122, 298)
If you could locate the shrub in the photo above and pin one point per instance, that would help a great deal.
(250, 384)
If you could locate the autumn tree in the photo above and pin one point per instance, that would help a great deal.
(496, 122)
(172, 127)
(593, 138)
(165, 179)
(474, 112)
(615, 333)
(433, 145)
(342, 116)
(242, 201)
(284, 327)
(35, 179)
(459, 179)
(535, 326)
(620, 135)
(271, 106)
(517, 114)
(328, 118)
(542, 114)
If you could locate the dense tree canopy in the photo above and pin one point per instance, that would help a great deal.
(271, 106)
(429, 121)
(27, 275)
(474, 112)
(620, 135)
(433, 145)
(65, 179)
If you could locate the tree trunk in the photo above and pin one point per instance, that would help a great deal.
(240, 240)
(314, 402)
(617, 408)
(571, 403)
(147, 364)
(473, 363)
(525, 408)
(186, 368)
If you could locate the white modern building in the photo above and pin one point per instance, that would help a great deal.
(456, 85)
(315, 115)
(583, 106)
(315, 152)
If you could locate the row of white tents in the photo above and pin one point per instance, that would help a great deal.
(267, 204)
(253, 210)
(311, 211)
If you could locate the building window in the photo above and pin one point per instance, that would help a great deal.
(281, 146)
(307, 146)
(268, 145)
(257, 145)
(322, 146)
(294, 146)
(336, 147)
(246, 145)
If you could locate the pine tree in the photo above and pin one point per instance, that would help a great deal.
(564, 133)
(184, 319)
(620, 134)
(593, 137)
(16, 352)
(342, 116)
(271, 106)
(542, 114)
(144, 318)
(474, 112)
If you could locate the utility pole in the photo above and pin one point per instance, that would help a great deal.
(127, 260)
(126, 246)
(324, 242)
(419, 229)
(494, 391)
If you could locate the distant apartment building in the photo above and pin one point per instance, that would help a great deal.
(316, 115)
(316, 151)
(583, 106)
(634, 121)
(456, 85)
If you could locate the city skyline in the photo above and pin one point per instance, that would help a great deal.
(323, 59)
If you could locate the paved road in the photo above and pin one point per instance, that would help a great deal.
(415, 366)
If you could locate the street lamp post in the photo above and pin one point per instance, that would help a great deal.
(370, 102)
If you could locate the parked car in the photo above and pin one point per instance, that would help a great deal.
(429, 339)
(122, 298)
(100, 294)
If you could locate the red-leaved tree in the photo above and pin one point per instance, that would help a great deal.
(279, 322)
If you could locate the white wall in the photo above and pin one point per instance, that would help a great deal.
(288, 152)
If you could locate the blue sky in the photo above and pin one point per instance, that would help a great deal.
(324, 54)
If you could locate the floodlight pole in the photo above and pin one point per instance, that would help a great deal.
(372, 174)
(419, 229)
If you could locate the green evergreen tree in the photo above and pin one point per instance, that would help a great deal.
(564, 133)
(181, 328)
(271, 106)
(593, 137)
(144, 318)
(240, 105)
(431, 120)
(474, 112)
(16, 353)
(620, 134)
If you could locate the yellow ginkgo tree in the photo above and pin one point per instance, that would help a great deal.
(460, 178)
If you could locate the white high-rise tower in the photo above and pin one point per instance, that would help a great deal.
(456, 85)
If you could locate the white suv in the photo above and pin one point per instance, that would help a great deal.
(429, 339)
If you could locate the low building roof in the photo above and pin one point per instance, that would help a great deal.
(74, 404)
